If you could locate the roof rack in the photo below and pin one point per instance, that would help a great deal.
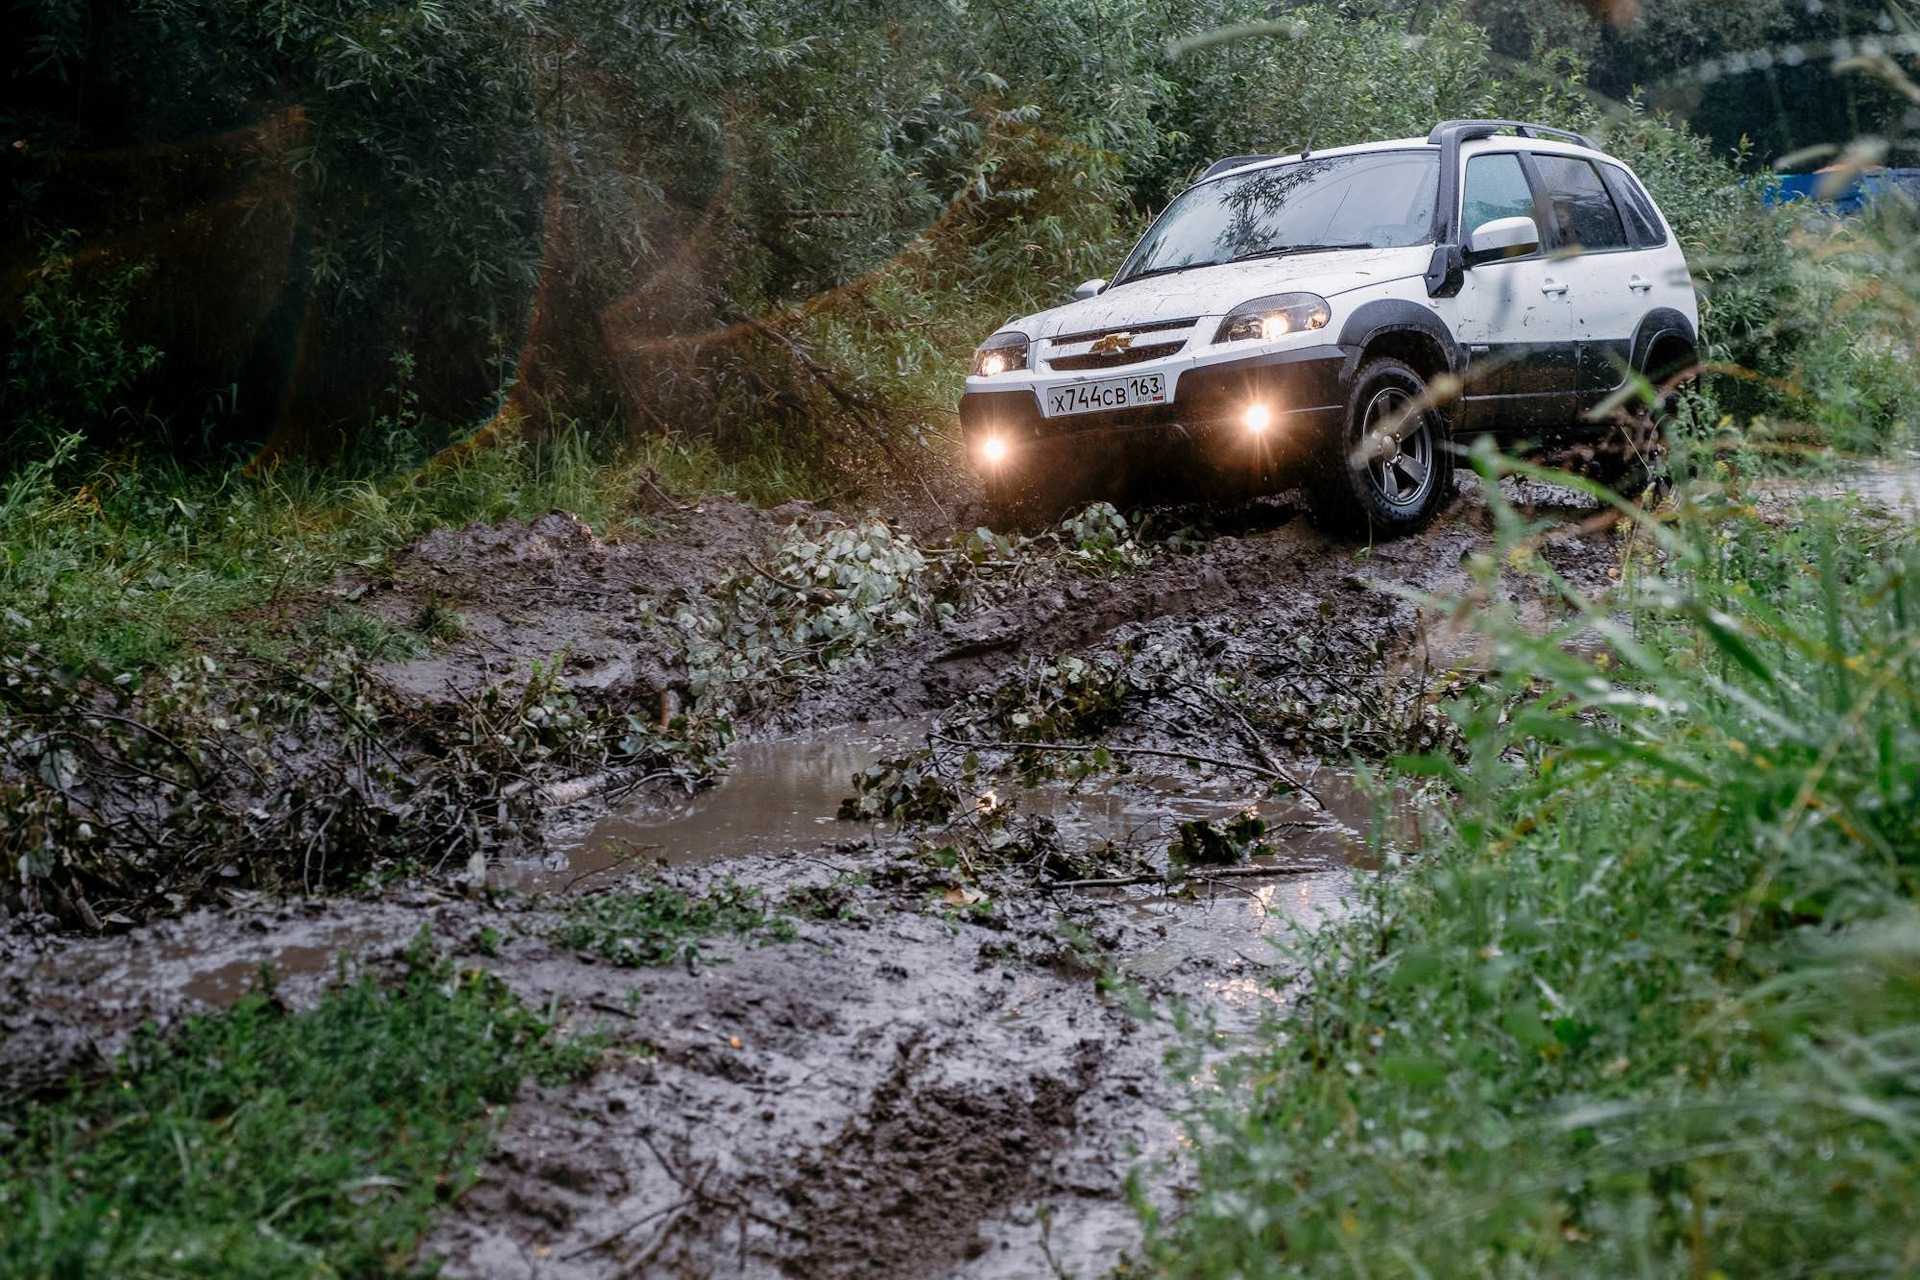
(1467, 130)
(1231, 162)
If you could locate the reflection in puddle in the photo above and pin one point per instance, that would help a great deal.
(780, 794)
(216, 967)
(783, 794)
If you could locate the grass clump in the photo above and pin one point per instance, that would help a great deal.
(124, 562)
(660, 924)
(260, 1142)
(1651, 1005)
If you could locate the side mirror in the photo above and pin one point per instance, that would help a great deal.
(1502, 238)
(1089, 289)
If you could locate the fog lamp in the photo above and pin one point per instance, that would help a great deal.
(1257, 418)
(993, 451)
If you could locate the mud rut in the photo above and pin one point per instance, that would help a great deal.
(899, 1091)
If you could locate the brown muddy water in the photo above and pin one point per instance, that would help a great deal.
(779, 794)
(783, 795)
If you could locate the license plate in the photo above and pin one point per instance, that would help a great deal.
(1109, 393)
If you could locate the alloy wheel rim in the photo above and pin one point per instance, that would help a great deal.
(1399, 446)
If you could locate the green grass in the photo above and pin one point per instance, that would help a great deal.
(1651, 1003)
(264, 1143)
(659, 924)
(128, 561)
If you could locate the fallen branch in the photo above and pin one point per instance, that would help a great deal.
(1216, 873)
(1082, 748)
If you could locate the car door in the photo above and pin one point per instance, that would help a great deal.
(1607, 278)
(1655, 278)
(1512, 315)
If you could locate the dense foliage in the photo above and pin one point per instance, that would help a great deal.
(232, 223)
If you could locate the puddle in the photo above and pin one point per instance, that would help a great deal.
(225, 984)
(210, 965)
(1891, 483)
(781, 794)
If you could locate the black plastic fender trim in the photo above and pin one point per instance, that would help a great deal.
(1372, 320)
(1660, 323)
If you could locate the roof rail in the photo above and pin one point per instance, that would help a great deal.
(1467, 130)
(1231, 162)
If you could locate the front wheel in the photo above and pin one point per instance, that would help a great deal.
(1387, 470)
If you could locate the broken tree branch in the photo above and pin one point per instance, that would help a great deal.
(1082, 748)
(1213, 873)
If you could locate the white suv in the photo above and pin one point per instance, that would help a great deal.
(1334, 319)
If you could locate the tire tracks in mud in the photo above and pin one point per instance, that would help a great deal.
(899, 1093)
(1280, 567)
(951, 1104)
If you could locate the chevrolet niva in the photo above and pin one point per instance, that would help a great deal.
(1335, 319)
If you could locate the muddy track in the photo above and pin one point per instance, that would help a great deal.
(1275, 563)
(904, 1090)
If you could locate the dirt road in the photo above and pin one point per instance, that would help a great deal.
(939, 1065)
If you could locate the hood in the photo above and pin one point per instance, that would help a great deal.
(1208, 291)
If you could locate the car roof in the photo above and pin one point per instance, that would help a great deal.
(1474, 146)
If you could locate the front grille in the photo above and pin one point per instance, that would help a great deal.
(1087, 357)
(1112, 359)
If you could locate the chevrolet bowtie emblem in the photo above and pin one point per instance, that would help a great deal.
(1109, 343)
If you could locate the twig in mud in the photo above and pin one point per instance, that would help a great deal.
(650, 478)
(623, 864)
(631, 1227)
(607, 1006)
(1217, 873)
(1082, 748)
(701, 1196)
(798, 588)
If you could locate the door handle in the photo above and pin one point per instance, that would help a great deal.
(1551, 285)
(1638, 284)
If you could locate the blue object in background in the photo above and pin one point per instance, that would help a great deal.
(1852, 198)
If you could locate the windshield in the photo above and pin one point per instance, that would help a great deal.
(1379, 199)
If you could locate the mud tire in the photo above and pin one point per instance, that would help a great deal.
(1350, 496)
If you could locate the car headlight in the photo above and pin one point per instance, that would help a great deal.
(1002, 353)
(1274, 316)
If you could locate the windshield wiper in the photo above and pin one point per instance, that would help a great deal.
(1167, 271)
(1285, 250)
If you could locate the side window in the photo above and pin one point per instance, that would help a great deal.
(1638, 206)
(1583, 212)
(1495, 187)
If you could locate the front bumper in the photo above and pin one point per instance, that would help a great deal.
(1304, 392)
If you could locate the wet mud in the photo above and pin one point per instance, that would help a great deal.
(913, 1084)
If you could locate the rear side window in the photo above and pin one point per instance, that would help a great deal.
(1638, 206)
(1583, 212)
(1496, 187)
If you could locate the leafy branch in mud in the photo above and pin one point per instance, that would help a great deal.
(266, 1143)
(121, 799)
(124, 795)
(1230, 700)
(828, 595)
(661, 924)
